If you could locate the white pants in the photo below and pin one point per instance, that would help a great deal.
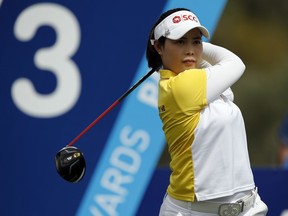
(168, 208)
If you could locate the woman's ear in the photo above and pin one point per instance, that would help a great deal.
(157, 47)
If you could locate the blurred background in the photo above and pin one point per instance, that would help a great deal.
(257, 31)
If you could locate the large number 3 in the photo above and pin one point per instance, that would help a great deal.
(56, 59)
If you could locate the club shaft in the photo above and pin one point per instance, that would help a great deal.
(111, 107)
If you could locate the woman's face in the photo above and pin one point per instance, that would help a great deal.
(184, 53)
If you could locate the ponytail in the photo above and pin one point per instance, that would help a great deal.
(153, 58)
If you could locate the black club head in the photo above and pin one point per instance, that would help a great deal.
(70, 164)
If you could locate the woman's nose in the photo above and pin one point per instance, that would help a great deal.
(190, 49)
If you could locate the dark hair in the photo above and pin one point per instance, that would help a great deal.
(153, 58)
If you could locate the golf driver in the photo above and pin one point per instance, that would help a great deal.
(70, 161)
(70, 164)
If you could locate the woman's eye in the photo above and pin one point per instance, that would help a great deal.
(197, 42)
(180, 41)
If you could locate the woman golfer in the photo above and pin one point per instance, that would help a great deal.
(204, 129)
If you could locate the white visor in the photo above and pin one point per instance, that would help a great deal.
(177, 24)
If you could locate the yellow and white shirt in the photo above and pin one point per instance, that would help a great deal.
(205, 130)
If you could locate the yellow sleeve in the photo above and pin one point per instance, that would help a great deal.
(189, 89)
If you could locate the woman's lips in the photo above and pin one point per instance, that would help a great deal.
(189, 62)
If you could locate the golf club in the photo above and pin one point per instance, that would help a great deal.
(70, 161)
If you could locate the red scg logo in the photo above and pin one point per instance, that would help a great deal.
(178, 19)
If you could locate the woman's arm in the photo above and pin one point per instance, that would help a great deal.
(226, 69)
